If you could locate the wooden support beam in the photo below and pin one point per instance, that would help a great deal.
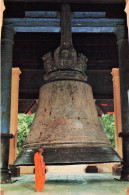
(32, 107)
(107, 105)
(55, 22)
(27, 105)
(85, 25)
(55, 14)
(24, 104)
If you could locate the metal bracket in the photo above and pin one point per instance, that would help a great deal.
(122, 134)
(7, 135)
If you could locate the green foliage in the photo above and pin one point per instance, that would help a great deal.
(24, 124)
(109, 126)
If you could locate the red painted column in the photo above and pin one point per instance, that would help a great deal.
(14, 114)
(117, 110)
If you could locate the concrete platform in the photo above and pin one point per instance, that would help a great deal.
(68, 181)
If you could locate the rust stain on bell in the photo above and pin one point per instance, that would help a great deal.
(66, 123)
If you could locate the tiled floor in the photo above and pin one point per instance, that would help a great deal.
(68, 183)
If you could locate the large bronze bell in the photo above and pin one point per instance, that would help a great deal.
(66, 123)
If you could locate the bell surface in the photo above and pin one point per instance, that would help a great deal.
(68, 127)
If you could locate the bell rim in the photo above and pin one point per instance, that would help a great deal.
(70, 156)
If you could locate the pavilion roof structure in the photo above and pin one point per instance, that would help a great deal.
(37, 27)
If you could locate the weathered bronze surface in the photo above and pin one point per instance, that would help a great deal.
(67, 126)
(66, 123)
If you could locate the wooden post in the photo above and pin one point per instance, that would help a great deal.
(127, 12)
(117, 110)
(2, 8)
(6, 68)
(14, 113)
(123, 54)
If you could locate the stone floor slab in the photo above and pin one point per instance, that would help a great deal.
(68, 184)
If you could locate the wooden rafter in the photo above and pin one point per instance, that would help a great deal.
(83, 25)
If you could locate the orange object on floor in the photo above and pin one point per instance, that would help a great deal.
(1, 192)
(127, 191)
(39, 172)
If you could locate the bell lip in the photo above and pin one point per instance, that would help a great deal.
(69, 163)
(26, 157)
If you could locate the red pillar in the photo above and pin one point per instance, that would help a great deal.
(117, 110)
